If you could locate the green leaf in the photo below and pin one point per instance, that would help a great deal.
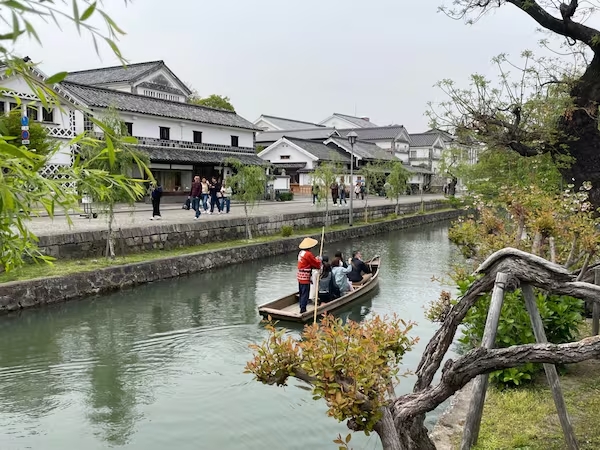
(57, 78)
(76, 15)
(112, 23)
(88, 12)
(114, 47)
(31, 31)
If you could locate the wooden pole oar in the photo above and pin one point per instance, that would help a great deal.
(319, 277)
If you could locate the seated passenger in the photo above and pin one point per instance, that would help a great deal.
(328, 290)
(360, 273)
(339, 274)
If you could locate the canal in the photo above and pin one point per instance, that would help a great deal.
(161, 366)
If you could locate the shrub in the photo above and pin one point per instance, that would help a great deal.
(286, 196)
(287, 230)
(561, 316)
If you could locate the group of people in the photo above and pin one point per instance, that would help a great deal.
(340, 192)
(215, 190)
(338, 277)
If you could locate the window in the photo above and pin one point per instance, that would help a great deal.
(13, 105)
(129, 126)
(165, 133)
(88, 125)
(235, 140)
(48, 114)
(284, 157)
(413, 154)
(197, 137)
(32, 113)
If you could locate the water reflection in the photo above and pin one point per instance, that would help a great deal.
(161, 365)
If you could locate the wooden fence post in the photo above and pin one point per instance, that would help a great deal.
(473, 422)
(596, 307)
(550, 369)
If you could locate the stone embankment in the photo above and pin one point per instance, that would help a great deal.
(90, 244)
(26, 294)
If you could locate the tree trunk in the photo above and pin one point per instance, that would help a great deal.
(397, 205)
(580, 127)
(248, 230)
(110, 239)
(386, 429)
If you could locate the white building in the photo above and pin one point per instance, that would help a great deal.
(181, 139)
(274, 123)
(341, 121)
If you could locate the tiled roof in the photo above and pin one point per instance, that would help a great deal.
(183, 155)
(288, 124)
(320, 150)
(161, 87)
(416, 169)
(375, 134)
(446, 137)
(365, 150)
(123, 101)
(358, 121)
(316, 133)
(424, 139)
(113, 74)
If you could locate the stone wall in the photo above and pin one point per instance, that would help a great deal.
(26, 294)
(90, 244)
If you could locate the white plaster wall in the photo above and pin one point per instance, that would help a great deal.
(338, 123)
(164, 73)
(265, 126)
(422, 152)
(402, 157)
(387, 144)
(148, 126)
(273, 154)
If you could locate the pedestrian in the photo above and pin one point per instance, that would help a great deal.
(342, 189)
(214, 190)
(315, 193)
(204, 194)
(358, 189)
(226, 192)
(195, 195)
(335, 192)
(156, 195)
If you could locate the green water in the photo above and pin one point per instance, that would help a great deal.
(160, 366)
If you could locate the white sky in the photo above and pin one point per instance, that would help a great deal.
(302, 59)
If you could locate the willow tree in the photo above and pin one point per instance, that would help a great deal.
(324, 176)
(249, 184)
(549, 106)
(396, 182)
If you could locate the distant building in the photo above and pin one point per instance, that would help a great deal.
(340, 121)
(274, 123)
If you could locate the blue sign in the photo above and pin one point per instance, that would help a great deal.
(24, 121)
(24, 135)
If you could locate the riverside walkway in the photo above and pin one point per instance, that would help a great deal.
(140, 214)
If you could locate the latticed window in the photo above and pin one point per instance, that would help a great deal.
(88, 125)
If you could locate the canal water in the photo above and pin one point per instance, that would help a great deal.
(161, 366)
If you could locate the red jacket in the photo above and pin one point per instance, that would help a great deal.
(306, 262)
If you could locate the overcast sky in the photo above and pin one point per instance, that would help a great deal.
(302, 59)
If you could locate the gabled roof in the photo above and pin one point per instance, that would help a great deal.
(316, 133)
(286, 124)
(376, 133)
(319, 150)
(124, 101)
(361, 122)
(362, 149)
(446, 137)
(424, 139)
(161, 87)
(120, 74)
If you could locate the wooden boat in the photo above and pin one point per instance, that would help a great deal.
(288, 307)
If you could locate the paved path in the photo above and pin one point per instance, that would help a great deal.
(139, 215)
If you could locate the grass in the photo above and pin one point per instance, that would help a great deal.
(66, 267)
(526, 419)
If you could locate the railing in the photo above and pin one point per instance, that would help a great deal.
(153, 142)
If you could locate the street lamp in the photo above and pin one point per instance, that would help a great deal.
(352, 139)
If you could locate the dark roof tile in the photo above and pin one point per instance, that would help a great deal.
(320, 150)
(184, 155)
(112, 74)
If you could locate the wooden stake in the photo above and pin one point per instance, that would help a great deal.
(319, 277)
(473, 422)
(550, 369)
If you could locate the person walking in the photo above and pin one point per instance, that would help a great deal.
(306, 263)
(315, 193)
(335, 192)
(214, 190)
(156, 195)
(342, 190)
(204, 194)
(195, 194)
(357, 189)
(226, 193)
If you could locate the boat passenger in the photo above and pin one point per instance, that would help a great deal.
(306, 262)
(328, 290)
(360, 273)
(338, 254)
(339, 274)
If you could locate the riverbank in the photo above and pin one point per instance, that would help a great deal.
(94, 280)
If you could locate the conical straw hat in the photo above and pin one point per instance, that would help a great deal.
(308, 243)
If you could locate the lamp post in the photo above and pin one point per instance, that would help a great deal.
(352, 139)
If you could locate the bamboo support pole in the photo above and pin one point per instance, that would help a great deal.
(319, 277)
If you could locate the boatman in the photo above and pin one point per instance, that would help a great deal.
(306, 263)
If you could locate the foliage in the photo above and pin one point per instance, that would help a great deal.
(22, 187)
(287, 230)
(396, 182)
(39, 142)
(352, 366)
(324, 175)
(248, 184)
(561, 227)
(286, 196)
(212, 101)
